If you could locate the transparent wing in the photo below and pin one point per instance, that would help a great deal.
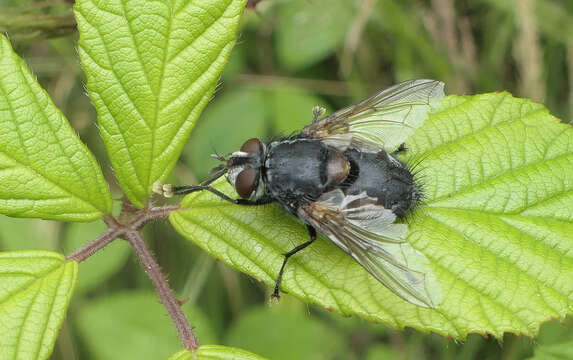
(367, 232)
(385, 119)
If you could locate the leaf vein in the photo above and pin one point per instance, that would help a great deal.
(497, 257)
(50, 314)
(508, 172)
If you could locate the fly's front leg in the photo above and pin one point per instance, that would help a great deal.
(312, 234)
(169, 190)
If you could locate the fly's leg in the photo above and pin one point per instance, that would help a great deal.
(169, 191)
(317, 111)
(312, 234)
(401, 148)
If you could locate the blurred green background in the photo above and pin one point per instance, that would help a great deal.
(290, 56)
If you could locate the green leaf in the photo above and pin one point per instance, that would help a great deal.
(138, 318)
(151, 69)
(35, 291)
(45, 170)
(308, 32)
(496, 224)
(263, 332)
(215, 352)
(103, 264)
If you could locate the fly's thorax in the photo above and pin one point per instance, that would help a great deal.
(302, 169)
(244, 171)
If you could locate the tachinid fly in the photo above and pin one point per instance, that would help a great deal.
(340, 176)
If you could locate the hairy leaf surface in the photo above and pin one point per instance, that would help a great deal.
(496, 224)
(151, 70)
(45, 170)
(35, 291)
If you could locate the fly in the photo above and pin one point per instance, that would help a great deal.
(341, 177)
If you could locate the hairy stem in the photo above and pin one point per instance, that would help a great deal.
(165, 294)
(154, 213)
(99, 243)
(128, 226)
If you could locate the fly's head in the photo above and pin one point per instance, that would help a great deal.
(243, 169)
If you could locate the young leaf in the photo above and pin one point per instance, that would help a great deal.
(45, 170)
(35, 291)
(215, 352)
(496, 224)
(151, 69)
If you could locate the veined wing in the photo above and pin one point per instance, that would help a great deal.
(385, 119)
(367, 232)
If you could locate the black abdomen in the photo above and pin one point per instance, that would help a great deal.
(384, 178)
(295, 172)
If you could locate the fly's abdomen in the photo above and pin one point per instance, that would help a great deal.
(384, 178)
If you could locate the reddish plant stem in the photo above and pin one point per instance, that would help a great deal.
(117, 229)
(129, 230)
(99, 243)
(151, 214)
(165, 294)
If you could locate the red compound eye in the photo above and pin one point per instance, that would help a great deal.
(251, 146)
(246, 182)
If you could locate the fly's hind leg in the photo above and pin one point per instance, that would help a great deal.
(400, 149)
(312, 234)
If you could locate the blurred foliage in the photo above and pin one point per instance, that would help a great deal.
(291, 55)
(287, 332)
(133, 326)
(31, 20)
